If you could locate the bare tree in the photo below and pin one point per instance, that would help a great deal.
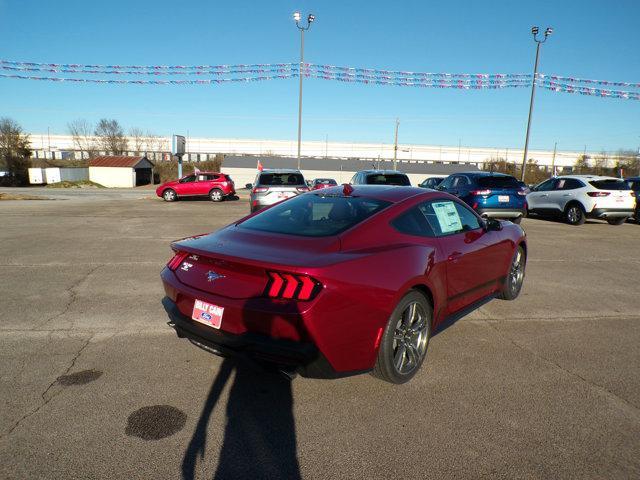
(582, 164)
(156, 143)
(138, 137)
(81, 132)
(111, 137)
(15, 150)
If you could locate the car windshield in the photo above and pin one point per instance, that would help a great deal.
(286, 179)
(610, 184)
(498, 181)
(315, 215)
(388, 179)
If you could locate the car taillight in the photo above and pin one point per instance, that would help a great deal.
(523, 192)
(598, 194)
(302, 189)
(176, 260)
(480, 192)
(292, 286)
(260, 189)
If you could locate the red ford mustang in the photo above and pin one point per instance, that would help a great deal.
(216, 186)
(341, 280)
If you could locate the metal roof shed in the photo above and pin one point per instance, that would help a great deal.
(121, 171)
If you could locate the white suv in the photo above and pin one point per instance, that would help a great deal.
(577, 197)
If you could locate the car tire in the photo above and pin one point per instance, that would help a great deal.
(636, 215)
(404, 342)
(616, 221)
(515, 276)
(574, 214)
(216, 195)
(169, 195)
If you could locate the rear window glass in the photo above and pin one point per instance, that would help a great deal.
(388, 179)
(326, 181)
(315, 215)
(276, 179)
(610, 184)
(498, 182)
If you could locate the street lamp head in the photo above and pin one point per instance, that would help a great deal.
(548, 31)
(296, 16)
(311, 18)
(534, 31)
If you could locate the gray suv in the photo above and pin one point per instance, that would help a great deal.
(380, 177)
(271, 186)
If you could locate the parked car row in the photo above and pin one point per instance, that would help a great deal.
(573, 198)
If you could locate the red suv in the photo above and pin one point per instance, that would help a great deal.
(216, 186)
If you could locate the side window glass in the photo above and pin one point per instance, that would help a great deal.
(468, 219)
(447, 182)
(572, 184)
(413, 222)
(446, 217)
(190, 178)
(546, 186)
(462, 182)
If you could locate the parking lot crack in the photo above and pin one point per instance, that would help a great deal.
(46, 397)
(73, 296)
(633, 409)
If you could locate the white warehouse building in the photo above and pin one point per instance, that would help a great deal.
(198, 149)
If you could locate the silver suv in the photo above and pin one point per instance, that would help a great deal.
(271, 186)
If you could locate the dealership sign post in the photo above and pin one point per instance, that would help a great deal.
(178, 144)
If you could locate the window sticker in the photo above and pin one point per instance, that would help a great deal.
(448, 217)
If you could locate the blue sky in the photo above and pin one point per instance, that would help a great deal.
(592, 39)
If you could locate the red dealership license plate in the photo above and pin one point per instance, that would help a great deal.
(207, 313)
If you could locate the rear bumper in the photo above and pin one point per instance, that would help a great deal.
(298, 357)
(301, 357)
(501, 212)
(610, 213)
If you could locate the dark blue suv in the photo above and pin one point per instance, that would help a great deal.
(490, 194)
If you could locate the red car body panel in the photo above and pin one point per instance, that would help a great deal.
(199, 187)
(365, 271)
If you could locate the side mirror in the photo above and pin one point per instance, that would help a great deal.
(248, 186)
(492, 225)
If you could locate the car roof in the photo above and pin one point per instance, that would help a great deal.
(391, 193)
(633, 178)
(589, 177)
(280, 170)
(483, 174)
(383, 172)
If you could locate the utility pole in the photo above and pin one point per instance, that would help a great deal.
(310, 19)
(459, 146)
(534, 31)
(553, 159)
(395, 146)
(326, 146)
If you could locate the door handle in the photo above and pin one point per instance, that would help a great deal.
(566, 194)
(454, 256)
(544, 195)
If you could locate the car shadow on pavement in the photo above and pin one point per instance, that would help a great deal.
(259, 437)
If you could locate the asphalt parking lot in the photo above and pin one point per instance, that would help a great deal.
(93, 384)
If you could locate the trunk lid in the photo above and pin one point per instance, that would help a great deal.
(233, 263)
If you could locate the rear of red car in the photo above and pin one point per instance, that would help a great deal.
(293, 300)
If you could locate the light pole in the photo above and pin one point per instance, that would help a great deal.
(534, 31)
(302, 28)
